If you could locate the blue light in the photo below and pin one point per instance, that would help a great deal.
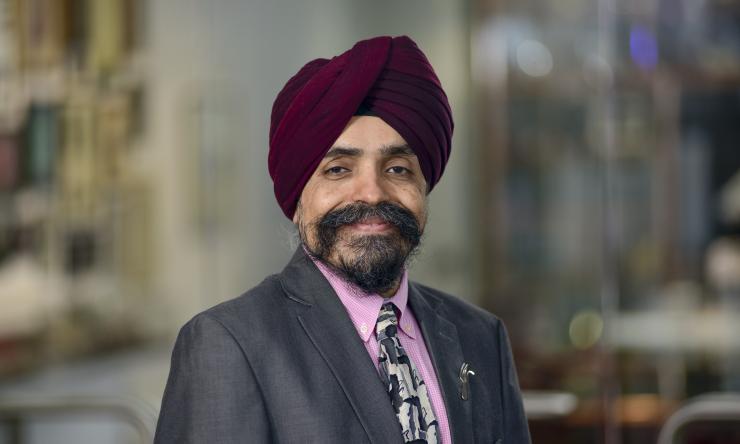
(643, 47)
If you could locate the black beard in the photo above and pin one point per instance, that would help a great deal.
(379, 259)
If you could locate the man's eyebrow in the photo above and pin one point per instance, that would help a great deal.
(386, 151)
(338, 151)
(397, 150)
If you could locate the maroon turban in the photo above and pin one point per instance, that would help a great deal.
(390, 77)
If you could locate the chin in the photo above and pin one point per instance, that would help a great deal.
(343, 253)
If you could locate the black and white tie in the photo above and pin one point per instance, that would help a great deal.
(405, 386)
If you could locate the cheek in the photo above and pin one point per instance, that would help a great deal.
(417, 204)
(306, 202)
(315, 203)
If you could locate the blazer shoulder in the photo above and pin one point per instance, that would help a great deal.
(211, 389)
(247, 308)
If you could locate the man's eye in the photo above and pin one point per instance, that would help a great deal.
(336, 170)
(398, 170)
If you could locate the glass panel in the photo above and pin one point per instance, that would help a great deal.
(609, 205)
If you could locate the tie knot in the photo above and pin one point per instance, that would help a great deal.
(387, 322)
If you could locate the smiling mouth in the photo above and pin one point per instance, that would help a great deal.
(371, 225)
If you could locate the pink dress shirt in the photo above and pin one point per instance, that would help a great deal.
(363, 310)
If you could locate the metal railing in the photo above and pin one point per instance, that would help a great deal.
(721, 407)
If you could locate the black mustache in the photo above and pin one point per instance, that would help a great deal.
(390, 213)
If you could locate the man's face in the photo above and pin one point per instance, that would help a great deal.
(364, 208)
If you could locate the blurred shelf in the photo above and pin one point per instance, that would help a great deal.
(694, 331)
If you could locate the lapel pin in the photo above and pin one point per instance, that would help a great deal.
(465, 374)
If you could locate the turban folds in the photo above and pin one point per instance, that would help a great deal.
(388, 76)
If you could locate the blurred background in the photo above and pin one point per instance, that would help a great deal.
(592, 200)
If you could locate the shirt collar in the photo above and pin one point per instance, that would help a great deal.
(363, 308)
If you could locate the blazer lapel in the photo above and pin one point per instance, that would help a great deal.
(329, 328)
(440, 336)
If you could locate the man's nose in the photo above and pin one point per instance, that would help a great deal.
(370, 188)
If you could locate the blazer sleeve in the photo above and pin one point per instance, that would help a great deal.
(211, 394)
(516, 428)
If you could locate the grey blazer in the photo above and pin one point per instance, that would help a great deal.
(283, 363)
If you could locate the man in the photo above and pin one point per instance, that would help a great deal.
(341, 347)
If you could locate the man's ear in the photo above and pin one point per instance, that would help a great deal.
(295, 214)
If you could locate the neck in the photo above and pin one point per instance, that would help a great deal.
(392, 292)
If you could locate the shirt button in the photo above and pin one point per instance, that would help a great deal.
(363, 328)
(408, 327)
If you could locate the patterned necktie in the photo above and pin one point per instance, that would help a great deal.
(405, 386)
